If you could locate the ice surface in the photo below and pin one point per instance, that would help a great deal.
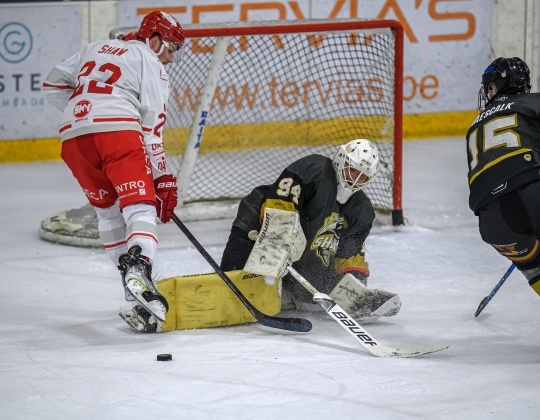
(65, 353)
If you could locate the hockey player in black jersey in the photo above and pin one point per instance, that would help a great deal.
(503, 151)
(333, 217)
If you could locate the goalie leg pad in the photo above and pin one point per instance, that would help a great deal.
(205, 301)
(364, 304)
(75, 227)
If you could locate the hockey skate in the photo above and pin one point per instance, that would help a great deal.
(123, 270)
(139, 285)
(362, 303)
(140, 320)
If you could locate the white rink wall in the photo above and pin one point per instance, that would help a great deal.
(448, 43)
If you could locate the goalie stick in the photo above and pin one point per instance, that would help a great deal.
(359, 332)
(290, 324)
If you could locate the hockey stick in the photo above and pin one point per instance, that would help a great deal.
(290, 324)
(486, 300)
(359, 332)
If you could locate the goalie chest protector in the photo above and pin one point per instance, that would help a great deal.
(326, 223)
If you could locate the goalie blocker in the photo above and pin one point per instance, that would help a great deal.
(280, 241)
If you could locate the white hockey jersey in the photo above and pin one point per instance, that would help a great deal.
(113, 85)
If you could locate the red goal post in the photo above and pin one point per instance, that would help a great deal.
(278, 91)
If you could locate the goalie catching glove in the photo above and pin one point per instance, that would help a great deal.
(280, 242)
(361, 302)
(166, 196)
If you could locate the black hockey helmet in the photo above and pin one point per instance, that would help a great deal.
(504, 75)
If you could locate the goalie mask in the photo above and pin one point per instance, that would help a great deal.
(169, 30)
(356, 164)
(504, 75)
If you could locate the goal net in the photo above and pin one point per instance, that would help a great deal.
(250, 98)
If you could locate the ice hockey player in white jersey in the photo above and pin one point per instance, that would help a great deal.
(114, 95)
(330, 217)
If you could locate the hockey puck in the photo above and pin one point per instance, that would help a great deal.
(164, 357)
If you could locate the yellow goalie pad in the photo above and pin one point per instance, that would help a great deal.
(206, 301)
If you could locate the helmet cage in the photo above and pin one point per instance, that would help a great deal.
(175, 49)
(353, 176)
(356, 164)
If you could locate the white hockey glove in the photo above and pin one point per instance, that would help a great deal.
(281, 241)
(361, 302)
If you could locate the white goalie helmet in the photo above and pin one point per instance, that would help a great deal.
(356, 164)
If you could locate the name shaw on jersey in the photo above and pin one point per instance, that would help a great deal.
(500, 107)
(106, 49)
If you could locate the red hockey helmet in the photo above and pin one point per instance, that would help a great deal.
(167, 27)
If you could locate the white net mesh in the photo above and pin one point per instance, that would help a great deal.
(279, 97)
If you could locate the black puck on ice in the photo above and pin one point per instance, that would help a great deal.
(164, 357)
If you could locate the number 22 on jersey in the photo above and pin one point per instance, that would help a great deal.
(94, 86)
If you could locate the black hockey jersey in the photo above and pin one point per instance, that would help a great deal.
(503, 146)
(335, 233)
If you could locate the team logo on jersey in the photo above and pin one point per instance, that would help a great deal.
(82, 109)
(326, 240)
